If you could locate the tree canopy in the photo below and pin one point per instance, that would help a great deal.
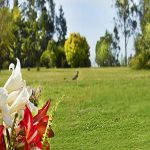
(142, 41)
(104, 51)
(77, 51)
(26, 30)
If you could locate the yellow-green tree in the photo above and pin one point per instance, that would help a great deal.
(142, 42)
(6, 36)
(104, 51)
(77, 51)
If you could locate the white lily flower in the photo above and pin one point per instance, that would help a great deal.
(3, 97)
(20, 101)
(15, 81)
(7, 117)
(4, 108)
(14, 95)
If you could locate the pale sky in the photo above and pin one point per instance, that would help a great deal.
(90, 18)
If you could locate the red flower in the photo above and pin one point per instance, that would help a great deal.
(30, 138)
(32, 129)
(2, 142)
(41, 119)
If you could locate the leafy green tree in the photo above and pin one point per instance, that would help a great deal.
(29, 28)
(52, 13)
(31, 37)
(61, 61)
(77, 51)
(104, 55)
(142, 41)
(115, 45)
(126, 20)
(61, 27)
(4, 3)
(46, 21)
(6, 35)
(48, 58)
(144, 13)
(17, 25)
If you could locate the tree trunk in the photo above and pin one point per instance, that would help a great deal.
(126, 61)
(38, 65)
(125, 41)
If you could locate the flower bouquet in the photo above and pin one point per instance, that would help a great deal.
(19, 128)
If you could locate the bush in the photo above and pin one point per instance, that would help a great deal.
(77, 51)
(48, 59)
(5, 65)
(61, 57)
(139, 61)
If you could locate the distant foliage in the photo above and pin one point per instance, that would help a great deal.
(126, 20)
(48, 58)
(6, 35)
(77, 51)
(26, 30)
(54, 56)
(142, 42)
(104, 51)
(61, 26)
(61, 60)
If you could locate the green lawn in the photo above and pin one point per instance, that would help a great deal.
(105, 109)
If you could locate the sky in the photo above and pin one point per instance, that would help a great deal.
(90, 18)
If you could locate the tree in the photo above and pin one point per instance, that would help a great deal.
(144, 13)
(61, 27)
(30, 45)
(142, 41)
(6, 35)
(126, 20)
(4, 3)
(115, 45)
(104, 55)
(60, 56)
(17, 30)
(61, 31)
(46, 21)
(77, 51)
(48, 58)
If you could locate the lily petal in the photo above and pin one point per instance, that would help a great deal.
(20, 101)
(12, 97)
(12, 66)
(7, 118)
(3, 97)
(15, 80)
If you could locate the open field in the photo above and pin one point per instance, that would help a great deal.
(105, 109)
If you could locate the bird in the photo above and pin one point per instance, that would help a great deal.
(76, 76)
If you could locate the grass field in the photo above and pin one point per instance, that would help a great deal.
(105, 109)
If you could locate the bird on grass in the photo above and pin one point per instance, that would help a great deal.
(76, 76)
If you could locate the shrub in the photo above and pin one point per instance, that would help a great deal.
(77, 51)
(5, 65)
(48, 59)
(139, 61)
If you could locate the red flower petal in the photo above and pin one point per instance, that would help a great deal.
(31, 138)
(50, 133)
(42, 112)
(2, 141)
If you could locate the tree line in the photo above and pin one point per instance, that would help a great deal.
(28, 30)
(132, 20)
(33, 32)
